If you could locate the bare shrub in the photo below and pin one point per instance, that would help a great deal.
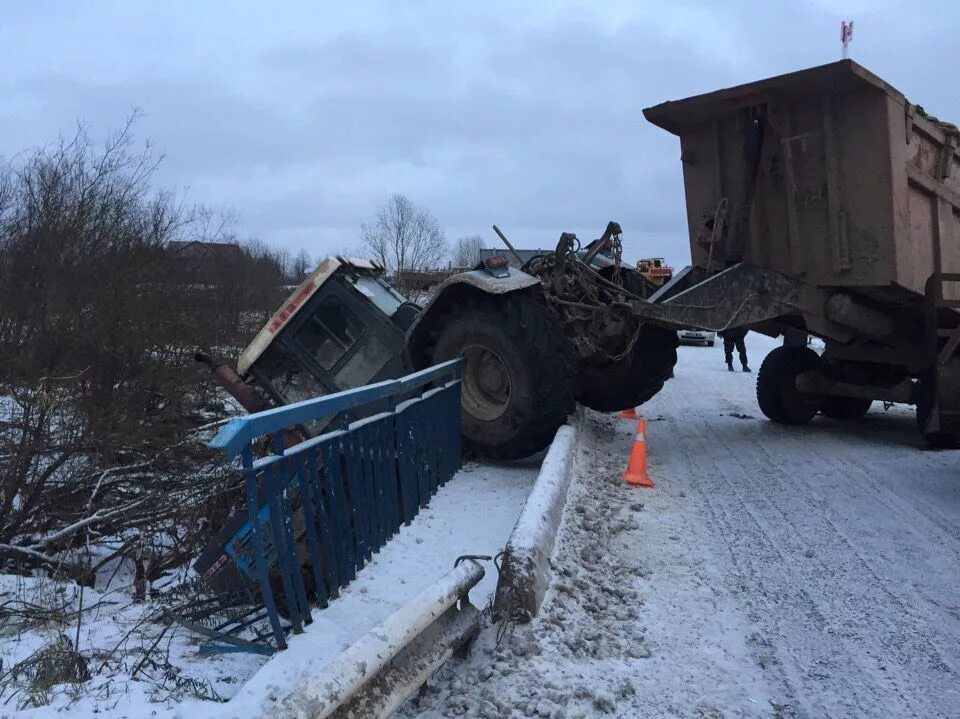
(108, 287)
(88, 287)
(99, 322)
(55, 500)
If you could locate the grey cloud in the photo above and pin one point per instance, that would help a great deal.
(480, 117)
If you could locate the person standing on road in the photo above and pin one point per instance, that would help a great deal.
(734, 338)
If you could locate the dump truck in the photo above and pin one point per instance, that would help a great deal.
(823, 202)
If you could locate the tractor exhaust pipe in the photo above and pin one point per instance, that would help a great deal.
(225, 376)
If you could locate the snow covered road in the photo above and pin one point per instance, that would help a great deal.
(773, 572)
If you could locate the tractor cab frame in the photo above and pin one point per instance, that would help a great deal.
(342, 328)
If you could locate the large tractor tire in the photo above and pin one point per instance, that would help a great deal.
(636, 378)
(518, 375)
(777, 392)
(844, 407)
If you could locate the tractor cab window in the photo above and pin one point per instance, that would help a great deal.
(330, 333)
(380, 293)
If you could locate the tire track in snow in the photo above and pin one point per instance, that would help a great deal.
(840, 611)
(750, 549)
(771, 503)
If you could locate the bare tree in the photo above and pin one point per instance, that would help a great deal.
(300, 266)
(466, 253)
(108, 287)
(404, 238)
(285, 260)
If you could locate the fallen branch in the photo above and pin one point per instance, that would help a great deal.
(115, 470)
(27, 552)
(97, 516)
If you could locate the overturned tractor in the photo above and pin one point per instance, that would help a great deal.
(535, 340)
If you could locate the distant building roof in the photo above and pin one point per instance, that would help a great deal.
(525, 255)
(423, 279)
(195, 249)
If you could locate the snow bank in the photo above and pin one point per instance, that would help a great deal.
(524, 573)
(113, 636)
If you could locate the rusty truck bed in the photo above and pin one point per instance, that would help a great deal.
(854, 186)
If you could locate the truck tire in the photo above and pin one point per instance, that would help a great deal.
(636, 378)
(518, 377)
(844, 407)
(777, 392)
(926, 390)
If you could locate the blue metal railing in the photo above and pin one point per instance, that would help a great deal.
(319, 508)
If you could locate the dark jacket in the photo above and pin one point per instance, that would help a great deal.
(735, 333)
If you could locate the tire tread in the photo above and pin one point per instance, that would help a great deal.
(538, 336)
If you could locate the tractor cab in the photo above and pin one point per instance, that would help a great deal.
(343, 327)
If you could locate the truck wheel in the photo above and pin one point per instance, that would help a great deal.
(926, 391)
(517, 376)
(777, 392)
(634, 379)
(844, 407)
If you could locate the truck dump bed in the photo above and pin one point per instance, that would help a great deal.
(828, 175)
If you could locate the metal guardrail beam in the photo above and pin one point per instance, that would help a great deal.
(336, 682)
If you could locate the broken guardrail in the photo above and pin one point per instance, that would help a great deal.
(319, 509)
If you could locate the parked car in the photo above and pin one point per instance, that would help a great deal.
(691, 336)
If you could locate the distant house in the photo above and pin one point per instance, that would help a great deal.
(421, 280)
(525, 255)
(205, 263)
(195, 251)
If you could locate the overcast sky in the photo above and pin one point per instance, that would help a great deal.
(303, 118)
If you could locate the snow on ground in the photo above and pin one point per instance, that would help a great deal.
(112, 634)
(773, 572)
(472, 514)
(7, 406)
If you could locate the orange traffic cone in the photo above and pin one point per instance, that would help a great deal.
(636, 471)
(629, 413)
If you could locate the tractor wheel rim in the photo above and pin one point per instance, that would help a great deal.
(486, 383)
